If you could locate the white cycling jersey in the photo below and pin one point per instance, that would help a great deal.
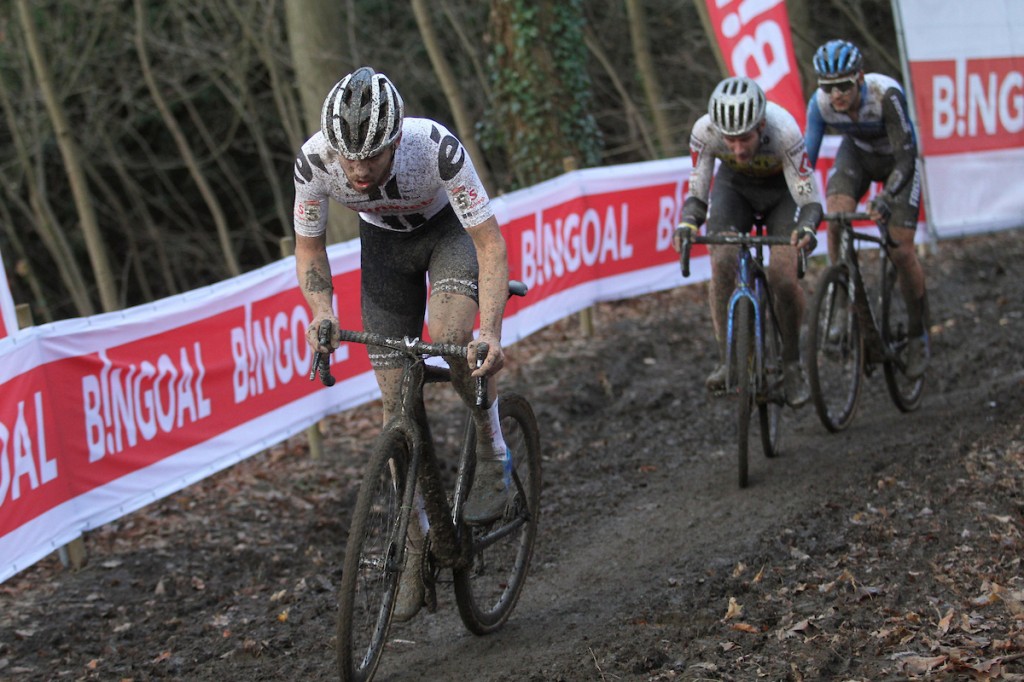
(782, 151)
(431, 169)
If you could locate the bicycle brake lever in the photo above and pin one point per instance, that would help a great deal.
(322, 361)
(481, 382)
(684, 256)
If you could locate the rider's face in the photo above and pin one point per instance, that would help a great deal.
(844, 96)
(744, 146)
(366, 175)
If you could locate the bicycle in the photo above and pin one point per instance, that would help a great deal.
(489, 562)
(753, 338)
(847, 342)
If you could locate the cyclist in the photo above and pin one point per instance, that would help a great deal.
(878, 144)
(764, 171)
(423, 213)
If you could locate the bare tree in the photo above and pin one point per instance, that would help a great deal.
(463, 123)
(69, 152)
(648, 75)
(212, 203)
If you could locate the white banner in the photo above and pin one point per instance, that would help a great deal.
(964, 71)
(8, 317)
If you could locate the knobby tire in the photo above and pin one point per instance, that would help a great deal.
(487, 590)
(746, 377)
(769, 404)
(836, 366)
(906, 393)
(370, 573)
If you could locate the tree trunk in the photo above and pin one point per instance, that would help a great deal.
(69, 153)
(314, 27)
(649, 76)
(216, 212)
(463, 123)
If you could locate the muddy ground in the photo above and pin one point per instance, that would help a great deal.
(890, 551)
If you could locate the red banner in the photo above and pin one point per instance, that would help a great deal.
(754, 39)
(102, 415)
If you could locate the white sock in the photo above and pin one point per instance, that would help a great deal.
(497, 439)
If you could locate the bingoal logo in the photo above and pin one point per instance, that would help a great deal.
(969, 105)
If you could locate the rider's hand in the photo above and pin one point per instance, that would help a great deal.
(880, 208)
(685, 229)
(495, 359)
(805, 239)
(313, 333)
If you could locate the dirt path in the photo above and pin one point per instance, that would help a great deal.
(889, 551)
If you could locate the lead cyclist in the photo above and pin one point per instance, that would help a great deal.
(423, 212)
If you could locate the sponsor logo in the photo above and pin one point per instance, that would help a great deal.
(969, 105)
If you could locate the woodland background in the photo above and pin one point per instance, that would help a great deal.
(147, 145)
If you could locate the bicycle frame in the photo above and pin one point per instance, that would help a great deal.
(750, 285)
(877, 350)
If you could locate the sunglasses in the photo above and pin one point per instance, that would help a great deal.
(842, 86)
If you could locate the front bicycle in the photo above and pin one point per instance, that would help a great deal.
(754, 364)
(489, 562)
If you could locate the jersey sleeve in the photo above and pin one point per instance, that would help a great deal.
(703, 159)
(815, 130)
(309, 214)
(900, 132)
(466, 192)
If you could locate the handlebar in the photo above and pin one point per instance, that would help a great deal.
(847, 218)
(322, 361)
(738, 239)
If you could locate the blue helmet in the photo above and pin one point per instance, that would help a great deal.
(836, 60)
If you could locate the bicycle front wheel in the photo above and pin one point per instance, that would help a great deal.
(905, 392)
(769, 399)
(836, 351)
(746, 377)
(487, 590)
(369, 580)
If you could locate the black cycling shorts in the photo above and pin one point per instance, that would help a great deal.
(395, 270)
(854, 171)
(736, 198)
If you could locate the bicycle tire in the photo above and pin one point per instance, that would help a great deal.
(836, 365)
(906, 393)
(746, 378)
(487, 590)
(769, 403)
(370, 576)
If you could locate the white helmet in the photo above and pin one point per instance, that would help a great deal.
(363, 114)
(737, 105)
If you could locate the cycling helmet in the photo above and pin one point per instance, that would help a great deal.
(837, 60)
(737, 105)
(363, 114)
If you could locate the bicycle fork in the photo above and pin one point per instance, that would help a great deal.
(744, 290)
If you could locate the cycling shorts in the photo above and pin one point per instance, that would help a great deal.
(736, 199)
(395, 270)
(855, 170)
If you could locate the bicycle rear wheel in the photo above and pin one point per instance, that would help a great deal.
(905, 392)
(836, 351)
(487, 590)
(369, 580)
(769, 402)
(746, 377)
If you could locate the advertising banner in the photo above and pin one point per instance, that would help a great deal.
(964, 67)
(8, 317)
(102, 415)
(754, 40)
